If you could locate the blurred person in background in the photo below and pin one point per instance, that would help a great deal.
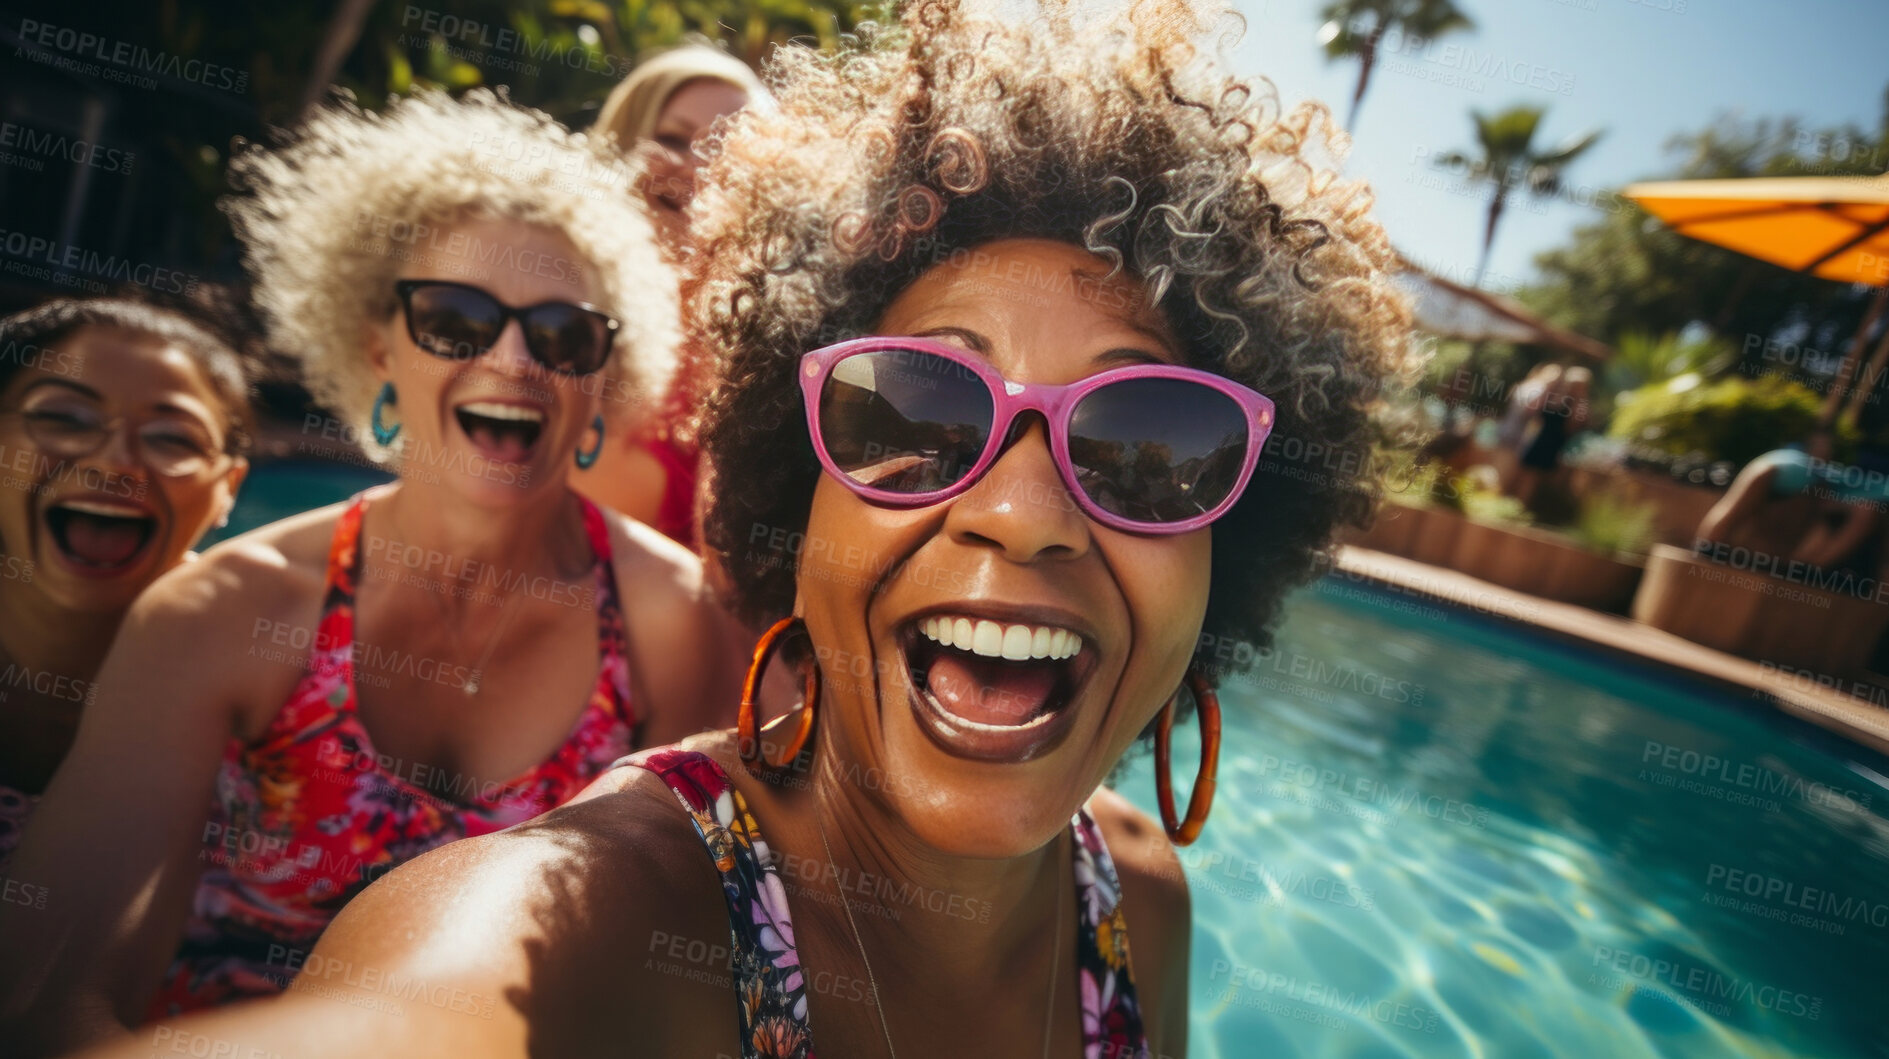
(1794, 504)
(660, 115)
(315, 702)
(123, 429)
(1559, 414)
(1524, 401)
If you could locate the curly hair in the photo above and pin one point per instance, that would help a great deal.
(328, 217)
(921, 140)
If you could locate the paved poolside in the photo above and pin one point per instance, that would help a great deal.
(1837, 708)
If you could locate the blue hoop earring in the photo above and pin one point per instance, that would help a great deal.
(383, 434)
(586, 459)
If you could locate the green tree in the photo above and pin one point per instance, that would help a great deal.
(1626, 273)
(1509, 162)
(1357, 28)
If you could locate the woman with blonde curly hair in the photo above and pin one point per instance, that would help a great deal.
(467, 285)
(1009, 313)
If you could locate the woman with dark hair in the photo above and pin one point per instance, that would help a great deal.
(122, 433)
(1009, 313)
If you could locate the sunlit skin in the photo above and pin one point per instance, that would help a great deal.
(688, 112)
(166, 705)
(569, 920)
(54, 618)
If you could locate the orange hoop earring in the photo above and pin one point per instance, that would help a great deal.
(1207, 708)
(747, 724)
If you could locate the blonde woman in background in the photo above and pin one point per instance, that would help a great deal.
(659, 115)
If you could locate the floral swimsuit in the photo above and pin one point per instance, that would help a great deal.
(310, 813)
(771, 986)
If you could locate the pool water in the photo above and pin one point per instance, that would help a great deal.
(1438, 836)
(278, 489)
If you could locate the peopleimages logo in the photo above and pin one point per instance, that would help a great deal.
(123, 60)
(1745, 775)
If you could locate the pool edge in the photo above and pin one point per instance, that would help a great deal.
(1839, 713)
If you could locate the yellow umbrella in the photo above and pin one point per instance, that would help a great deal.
(1833, 227)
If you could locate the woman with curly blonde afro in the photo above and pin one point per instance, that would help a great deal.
(467, 287)
(1046, 355)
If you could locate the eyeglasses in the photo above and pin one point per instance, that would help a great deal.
(460, 322)
(1151, 448)
(170, 448)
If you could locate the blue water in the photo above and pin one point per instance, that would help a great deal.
(1439, 836)
(282, 488)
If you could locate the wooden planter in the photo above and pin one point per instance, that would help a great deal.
(1529, 561)
(1544, 565)
(1759, 616)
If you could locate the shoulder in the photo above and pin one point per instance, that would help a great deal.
(688, 652)
(264, 575)
(1159, 912)
(1145, 860)
(260, 589)
(577, 911)
(649, 555)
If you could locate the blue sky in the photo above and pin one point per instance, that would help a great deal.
(1640, 69)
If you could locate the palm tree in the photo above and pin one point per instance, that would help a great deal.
(1510, 163)
(1358, 27)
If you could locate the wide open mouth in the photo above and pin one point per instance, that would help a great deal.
(506, 433)
(98, 536)
(994, 690)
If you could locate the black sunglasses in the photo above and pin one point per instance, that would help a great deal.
(459, 322)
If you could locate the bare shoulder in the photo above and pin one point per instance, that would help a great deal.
(1159, 910)
(688, 652)
(251, 569)
(566, 922)
(651, 557)
(253, 594)
(1144, 858)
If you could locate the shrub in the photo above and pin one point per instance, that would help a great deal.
(1733, 419)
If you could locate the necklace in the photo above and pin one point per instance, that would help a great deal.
(474, 677)
(1055, 961)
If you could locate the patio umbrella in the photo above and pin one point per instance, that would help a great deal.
(1833, 227)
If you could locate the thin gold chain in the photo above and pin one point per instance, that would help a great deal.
(1055, 963)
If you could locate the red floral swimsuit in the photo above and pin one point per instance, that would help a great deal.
(310, 813)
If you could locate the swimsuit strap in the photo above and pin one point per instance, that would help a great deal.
(770, 990)
(344, 551)
(612, 641)
(1111, 1011)
(770, 987)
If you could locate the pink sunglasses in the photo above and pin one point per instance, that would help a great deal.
(1150, 448)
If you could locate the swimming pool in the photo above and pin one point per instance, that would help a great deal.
(280, 488)
(1438, 836)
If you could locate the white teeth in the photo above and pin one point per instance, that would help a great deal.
(992, 640)
(105, 508)
(988, 640)
(1017, 642)
(492, 410)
